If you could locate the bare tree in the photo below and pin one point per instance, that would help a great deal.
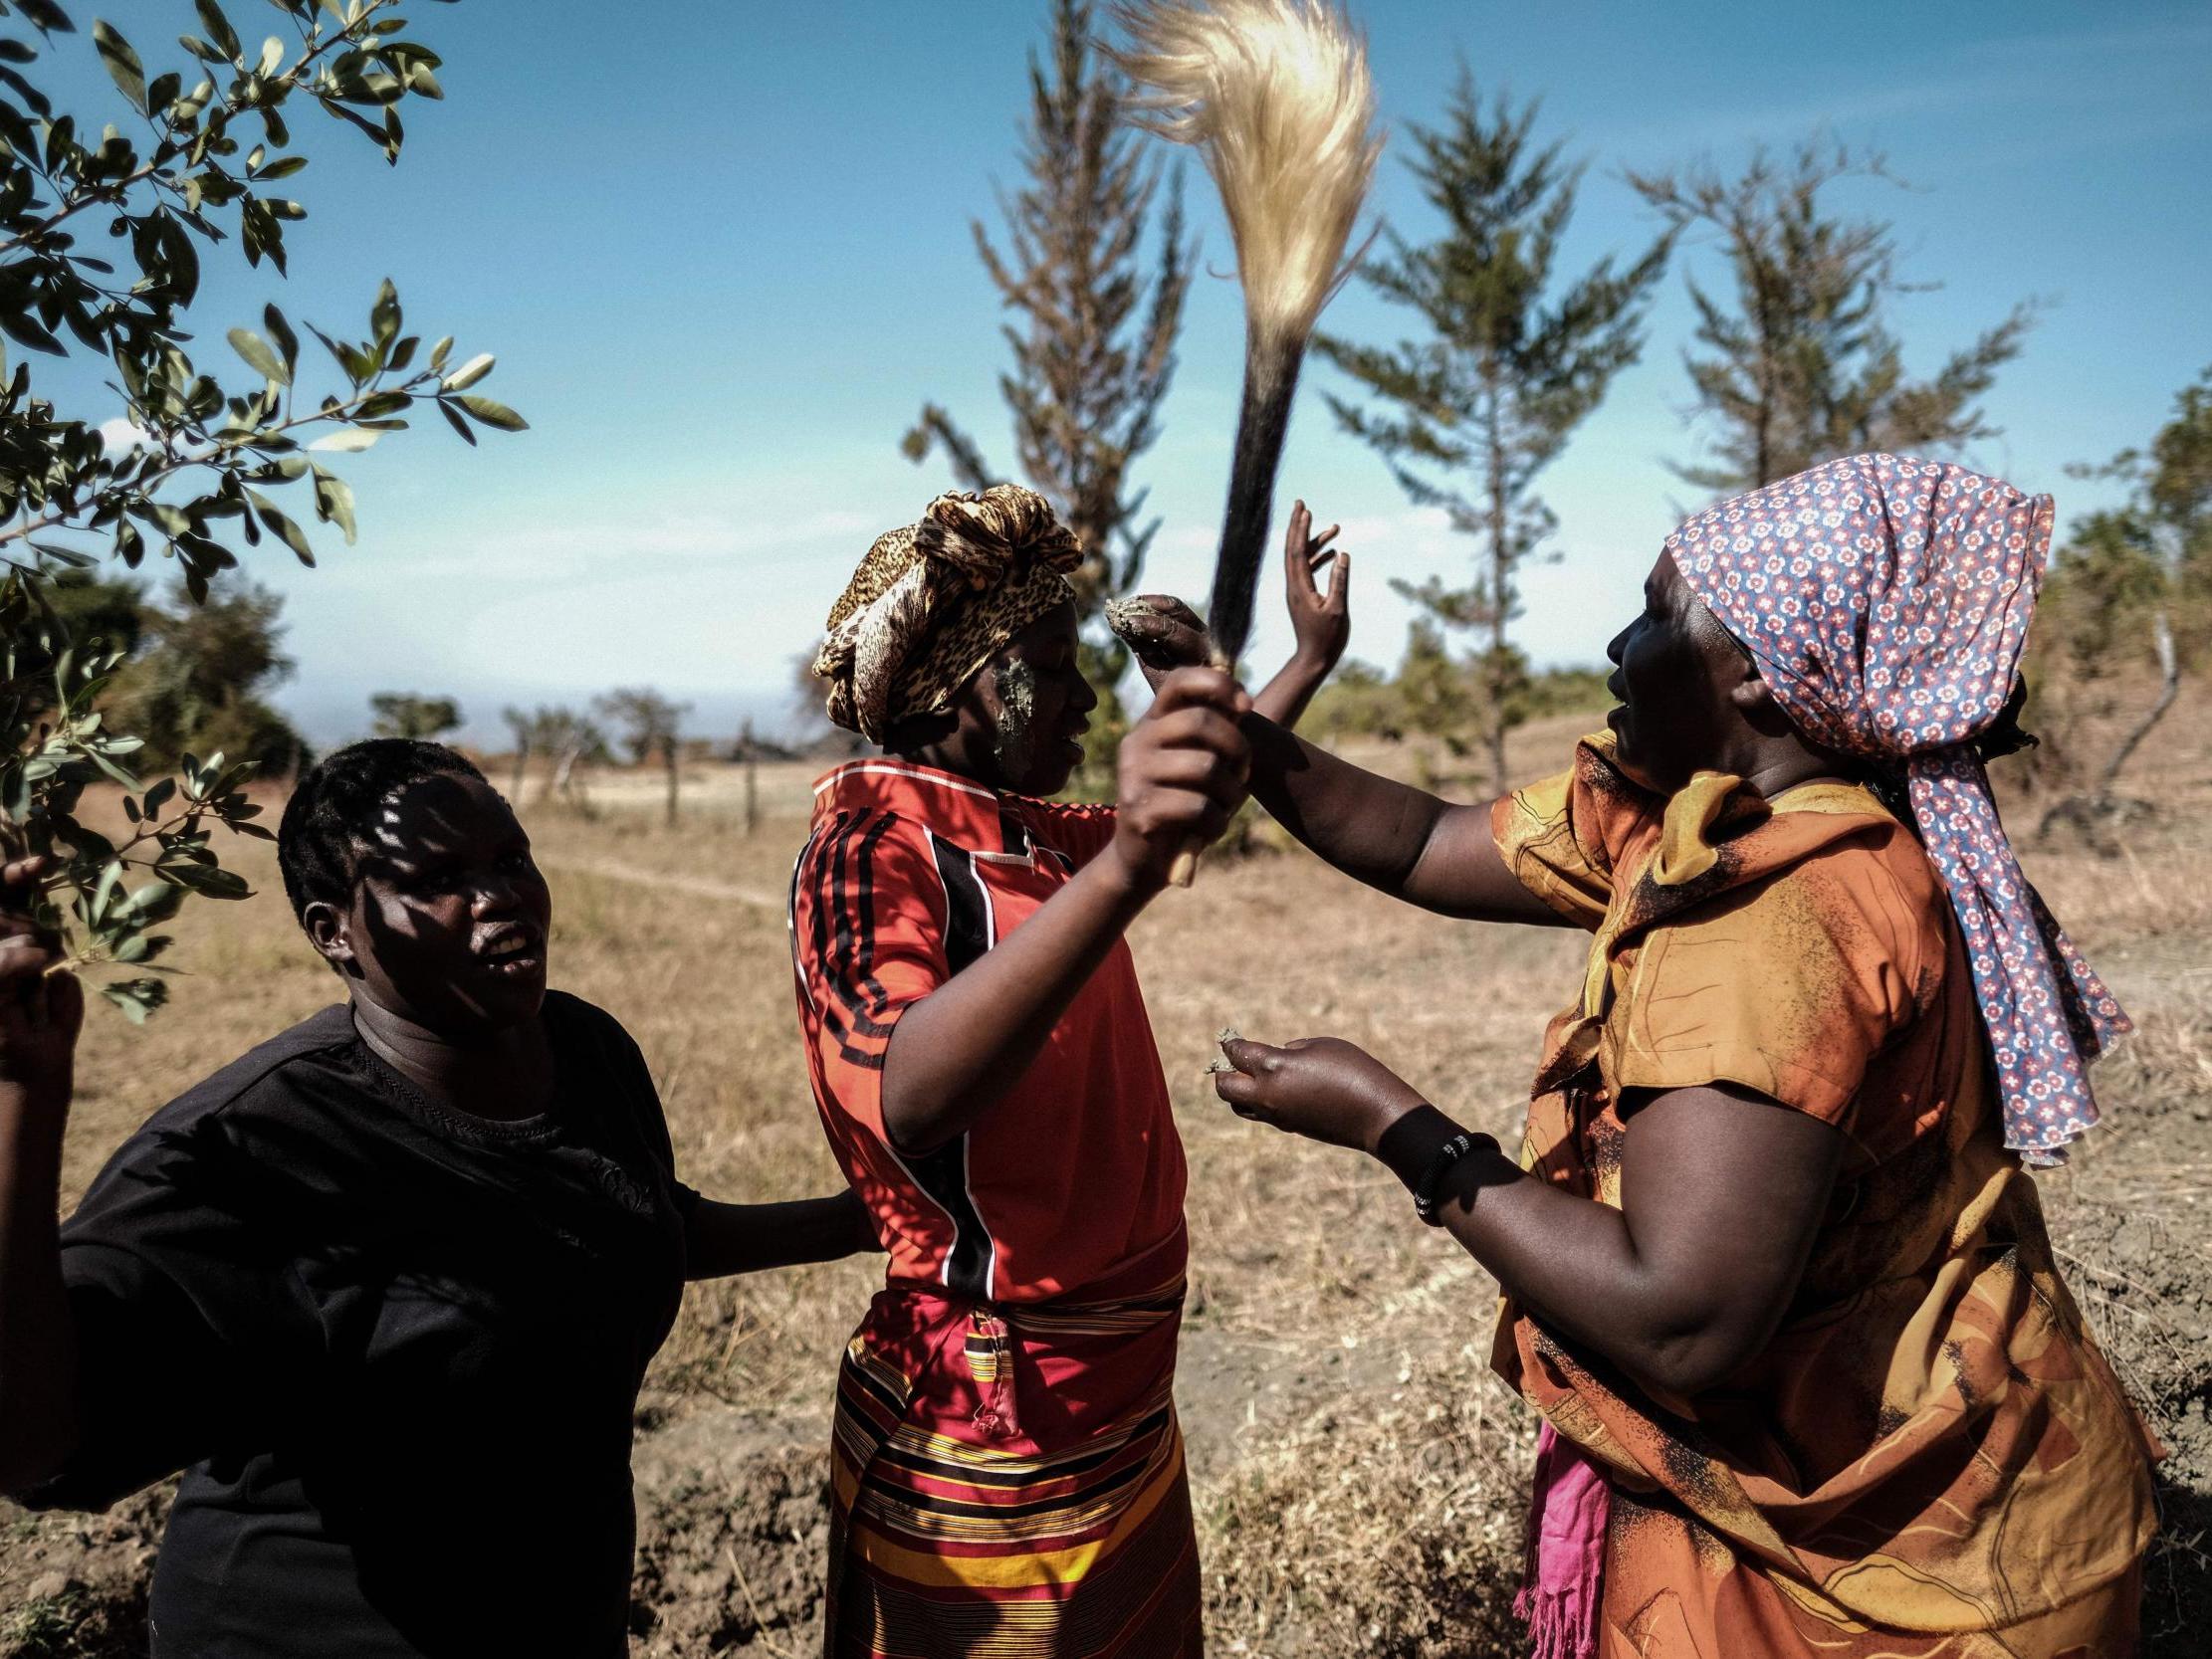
(566, 739)
(524, 727)
(2132, 587)
(652, 725)
(749, 746)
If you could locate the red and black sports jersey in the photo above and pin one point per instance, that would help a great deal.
(909, 875)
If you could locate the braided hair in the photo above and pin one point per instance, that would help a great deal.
(323, 836)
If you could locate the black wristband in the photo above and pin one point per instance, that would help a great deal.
(1408, 1144)
(1427, 1188)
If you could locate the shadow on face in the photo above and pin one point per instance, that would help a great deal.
(1039, 705)
(1018, 725)
(448, 921)
(1680, 680)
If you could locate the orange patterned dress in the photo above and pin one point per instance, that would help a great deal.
(1930, 1460)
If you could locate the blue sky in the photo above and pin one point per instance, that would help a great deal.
(723, 255)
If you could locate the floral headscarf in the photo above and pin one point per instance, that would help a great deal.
(1886, 602)
(936, 600)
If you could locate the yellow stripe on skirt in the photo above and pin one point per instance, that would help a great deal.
(1008, 1483)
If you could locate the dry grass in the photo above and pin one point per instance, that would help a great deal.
(1358, 1473)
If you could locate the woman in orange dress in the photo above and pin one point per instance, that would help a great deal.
(1775, 1274)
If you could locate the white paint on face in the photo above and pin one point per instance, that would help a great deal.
(1013, 727)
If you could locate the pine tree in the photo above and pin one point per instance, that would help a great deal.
(1799, 364)
(652, 728)
(1512, 361)
(1093, 340)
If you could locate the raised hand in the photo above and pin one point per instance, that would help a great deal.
(1323, 1088)
(1321, 622)
(1183, 771)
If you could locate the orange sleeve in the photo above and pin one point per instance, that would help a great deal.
(868, 917)
(1788, 989)
(1563, 836)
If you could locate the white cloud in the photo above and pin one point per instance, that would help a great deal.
(563, 549)
(120, 436)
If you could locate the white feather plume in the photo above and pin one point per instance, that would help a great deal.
(1275, 97)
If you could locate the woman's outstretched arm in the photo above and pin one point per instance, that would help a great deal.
(1721, 1194)
(40, 1013)
(1396, 839)
(723, 1239)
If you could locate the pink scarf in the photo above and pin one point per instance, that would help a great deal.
(1887, 601)
(1565, 1552)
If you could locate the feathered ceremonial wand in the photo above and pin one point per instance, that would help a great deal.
(1274, 97)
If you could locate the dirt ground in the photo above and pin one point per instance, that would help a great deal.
(1359, 1475)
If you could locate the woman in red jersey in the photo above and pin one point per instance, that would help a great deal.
(1008, 1470)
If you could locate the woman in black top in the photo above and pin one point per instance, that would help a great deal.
(385, 1286)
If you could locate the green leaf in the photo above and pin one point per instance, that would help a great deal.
(41, 106)
(136, 997)
(454, 420)
(272, 56)
(259, 357)
(333, 501)
(491, 413)
(470, 372)
(123, 68)
(383, 316)
(112, 770)
(440, 351)
(281, 525)
(209, 880)
(20, 328)
(156, 900)
(288, 343)
(347, 440)
(218, 27)
(95, 903)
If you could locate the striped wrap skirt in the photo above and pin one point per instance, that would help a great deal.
(1008, 1482)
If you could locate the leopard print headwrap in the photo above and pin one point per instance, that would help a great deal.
(934, 601)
